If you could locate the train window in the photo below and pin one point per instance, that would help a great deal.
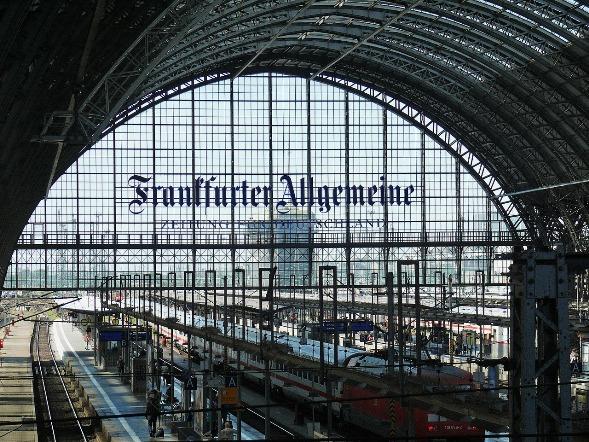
(436, 418)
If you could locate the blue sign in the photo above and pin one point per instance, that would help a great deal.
(191, 383)
(331, 326)
(361, 325)
(345, 325)
(121, 335)
(111, 335)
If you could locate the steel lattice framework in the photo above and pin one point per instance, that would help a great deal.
(507, 79)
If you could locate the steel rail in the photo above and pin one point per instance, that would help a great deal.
(67, 394)
(42, 378)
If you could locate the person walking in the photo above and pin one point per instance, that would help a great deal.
(152, 410)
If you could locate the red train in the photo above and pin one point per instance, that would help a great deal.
(390, 417)
(379, 416)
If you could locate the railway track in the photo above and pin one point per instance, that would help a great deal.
(60, 417)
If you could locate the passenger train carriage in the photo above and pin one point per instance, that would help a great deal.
(377, 415)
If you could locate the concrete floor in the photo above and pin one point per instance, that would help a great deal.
(107, 393)
(17, 400)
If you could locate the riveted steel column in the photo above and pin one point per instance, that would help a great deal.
(390, 281)
(541, 389)
(324, 374)
(263, 337)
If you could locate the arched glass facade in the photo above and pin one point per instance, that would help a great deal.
(266, 170)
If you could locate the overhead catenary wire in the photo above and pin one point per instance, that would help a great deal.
(38, 313)
(18, 426)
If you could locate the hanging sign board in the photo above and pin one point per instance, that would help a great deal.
(229, 396)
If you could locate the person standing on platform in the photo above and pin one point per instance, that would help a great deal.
(152, 410)
(121, 367)
(459, 344)
(88, 336)
(228, 432)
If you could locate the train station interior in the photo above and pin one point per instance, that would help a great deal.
(294, 220)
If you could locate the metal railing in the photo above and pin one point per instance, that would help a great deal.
(294, 239)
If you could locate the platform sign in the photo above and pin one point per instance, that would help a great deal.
(230, 381)
(229, 396)
(111, 335)
(359, 326)
(343, 326)
(333, 326)
(121, 335)
(191, 383)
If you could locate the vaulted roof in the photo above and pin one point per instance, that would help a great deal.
(509, 79)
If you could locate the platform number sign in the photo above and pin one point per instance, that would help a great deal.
(230, 394)
(191, 383)
(231, 381)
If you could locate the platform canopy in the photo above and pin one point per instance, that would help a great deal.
(508, 79)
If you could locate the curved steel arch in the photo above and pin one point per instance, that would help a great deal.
(467, 159)
(563, 163)
(211, 65)
(508, 77)
(449, 100)
(534, 140)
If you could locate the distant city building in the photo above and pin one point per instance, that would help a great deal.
(290, 229)
(293, 227)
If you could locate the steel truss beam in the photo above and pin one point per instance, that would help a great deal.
(283, 245)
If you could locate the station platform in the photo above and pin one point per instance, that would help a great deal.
(107, 394)
(17, 399)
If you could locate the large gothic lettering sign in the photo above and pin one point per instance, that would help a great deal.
(298, 192)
